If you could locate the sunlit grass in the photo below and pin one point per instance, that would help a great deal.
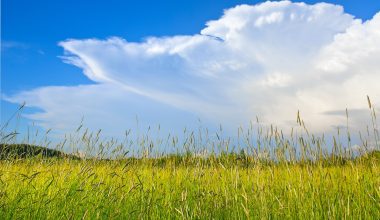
(263, 175)
(39, 189)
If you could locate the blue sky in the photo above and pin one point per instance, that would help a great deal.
(31, 31)
(38, 26)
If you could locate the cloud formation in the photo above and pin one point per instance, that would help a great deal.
(267, 60)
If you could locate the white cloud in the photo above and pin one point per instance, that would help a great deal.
(267, 60)
(5, 45)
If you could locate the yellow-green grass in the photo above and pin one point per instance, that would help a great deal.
(263, 175)
(204, 189)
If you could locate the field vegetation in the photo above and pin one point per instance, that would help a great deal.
(265, 174)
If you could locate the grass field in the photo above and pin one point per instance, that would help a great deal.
(177, 188)
(276, 177)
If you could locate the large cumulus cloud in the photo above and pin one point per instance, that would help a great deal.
(267, 60)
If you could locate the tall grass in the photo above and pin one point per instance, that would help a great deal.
(263, 174)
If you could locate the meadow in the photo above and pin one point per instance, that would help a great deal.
(266, 175)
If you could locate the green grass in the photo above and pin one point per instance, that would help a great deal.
(18, 151)
(129, 189)
(263, 175)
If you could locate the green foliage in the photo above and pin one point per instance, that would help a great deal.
(18, 151)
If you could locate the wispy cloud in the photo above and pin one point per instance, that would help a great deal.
(267, 60)
(5, 45)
